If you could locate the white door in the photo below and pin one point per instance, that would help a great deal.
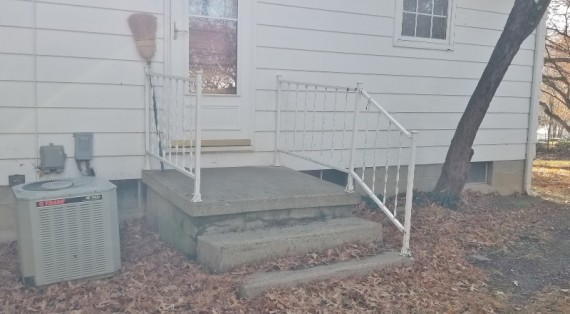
(215, 36)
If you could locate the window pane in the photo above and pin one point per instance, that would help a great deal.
(439, 28)
(478, 172)
(440, 7)
(425, 6)
(214, 8)
(410, 5)
(409, 24)
(213, 49)
(423, 28)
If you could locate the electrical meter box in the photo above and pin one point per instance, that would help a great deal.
(52, 158)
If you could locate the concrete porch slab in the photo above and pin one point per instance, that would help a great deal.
(247, 189)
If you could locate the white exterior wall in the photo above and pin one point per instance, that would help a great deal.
(79, 71)
(89, 79)
(341, 42)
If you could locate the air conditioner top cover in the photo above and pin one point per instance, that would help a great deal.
(62, 188)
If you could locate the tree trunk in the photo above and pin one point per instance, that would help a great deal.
(523, 19)
(549, 134)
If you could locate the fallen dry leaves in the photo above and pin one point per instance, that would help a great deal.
(552, 178)
(156, 279)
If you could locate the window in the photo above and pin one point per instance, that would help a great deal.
(480, 172)
(213, 37)
(424, 21)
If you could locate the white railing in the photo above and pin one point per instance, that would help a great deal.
(173, 131)
(345, 129)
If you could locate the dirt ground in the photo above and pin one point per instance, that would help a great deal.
(494, 254)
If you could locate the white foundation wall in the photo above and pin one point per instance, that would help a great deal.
(71, 66)
(342, 42)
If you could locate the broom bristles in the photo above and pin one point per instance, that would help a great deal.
(143, 27)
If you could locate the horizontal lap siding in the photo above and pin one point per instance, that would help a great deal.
(339, 43)
(89, 79)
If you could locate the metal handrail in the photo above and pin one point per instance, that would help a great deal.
(388, 115)
(168, 116)
(303, 105)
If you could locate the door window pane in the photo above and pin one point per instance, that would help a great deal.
(213, 44)
(214, 8)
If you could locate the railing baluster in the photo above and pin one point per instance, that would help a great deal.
(147, 100)
(351, 173)
(366, 131)
(183, 117)
(305, 118)
(278, 98)
(345, 116)
(286, 113)
(169, 120)
(323, 116)
(314, 121)
(197, 196)
(191, 131)
(387, 167)
(294, 147)
(160, 115)
(176, 122)
(409, 196)
(398, 172)
(378, 116)
(333, 127)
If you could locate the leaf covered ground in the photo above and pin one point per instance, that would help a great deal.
(156, 279)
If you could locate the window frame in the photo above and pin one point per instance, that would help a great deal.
(420, 42)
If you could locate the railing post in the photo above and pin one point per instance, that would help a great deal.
(147, 117)
(409, 197)
(350, 179)
(197, 197)
(276, 161)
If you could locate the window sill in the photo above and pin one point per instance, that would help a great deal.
(445, 46)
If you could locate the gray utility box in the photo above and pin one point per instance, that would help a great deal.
(67, 229)
(52, 158)
(83, 146)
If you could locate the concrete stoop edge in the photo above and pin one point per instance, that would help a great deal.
(259, 283)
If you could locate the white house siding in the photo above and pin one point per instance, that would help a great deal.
(341, 42)
(89, 76)
(89, 79)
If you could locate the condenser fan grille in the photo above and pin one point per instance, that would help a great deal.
(73, 241)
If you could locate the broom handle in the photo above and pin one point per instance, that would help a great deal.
(155, 110)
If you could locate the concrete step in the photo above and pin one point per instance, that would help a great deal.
(259, 283)
(223, 252)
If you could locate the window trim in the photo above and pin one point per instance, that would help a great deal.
(420, 42)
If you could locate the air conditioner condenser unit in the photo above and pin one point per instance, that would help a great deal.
(67, 229)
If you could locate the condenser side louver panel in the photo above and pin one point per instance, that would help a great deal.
(69, 233)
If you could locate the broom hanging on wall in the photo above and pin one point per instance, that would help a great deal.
(143, 27)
